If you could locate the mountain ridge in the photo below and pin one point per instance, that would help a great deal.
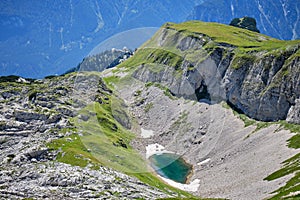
(90, 126)
(240, 60)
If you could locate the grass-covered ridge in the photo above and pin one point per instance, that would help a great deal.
(247, 47)
(232, 35)
(247, 44)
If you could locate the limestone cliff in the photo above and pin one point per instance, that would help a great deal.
(254, 73)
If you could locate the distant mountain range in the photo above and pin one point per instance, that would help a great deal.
(279, 19)
(40, 38)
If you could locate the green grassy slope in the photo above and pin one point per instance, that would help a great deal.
(232, 35)
(291, 190)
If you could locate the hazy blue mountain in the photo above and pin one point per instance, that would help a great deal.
(276, 18)
(39, 38)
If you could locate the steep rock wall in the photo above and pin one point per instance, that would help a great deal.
(262, 84)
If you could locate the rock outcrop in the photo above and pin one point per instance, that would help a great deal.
(294, 113)
(261, 81)
(248, 23)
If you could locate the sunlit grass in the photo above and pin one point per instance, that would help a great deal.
(232, 35)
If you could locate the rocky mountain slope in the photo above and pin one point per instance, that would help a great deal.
(279, 19)
(103, 60)
(255, 74)
(34, 116)
(90, 134)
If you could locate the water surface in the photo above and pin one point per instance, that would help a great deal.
(171, 166)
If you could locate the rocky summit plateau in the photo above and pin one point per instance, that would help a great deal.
(224, 99)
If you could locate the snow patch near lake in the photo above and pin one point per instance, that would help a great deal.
(204, 162)
(152, 149)
(191, 187)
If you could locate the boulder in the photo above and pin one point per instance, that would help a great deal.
(248, 23)
(293, 115)
(24, 116)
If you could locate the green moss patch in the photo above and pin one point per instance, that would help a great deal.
(294, 142)
(72, 151)
(241, 60)
(154, 55)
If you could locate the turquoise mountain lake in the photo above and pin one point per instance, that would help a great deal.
(171, 166)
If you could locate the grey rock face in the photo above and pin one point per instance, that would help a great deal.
(263, 88)
(29, 116)
(294, 113)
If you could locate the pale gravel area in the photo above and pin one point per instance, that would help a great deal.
(146, 133)
(229, 160)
